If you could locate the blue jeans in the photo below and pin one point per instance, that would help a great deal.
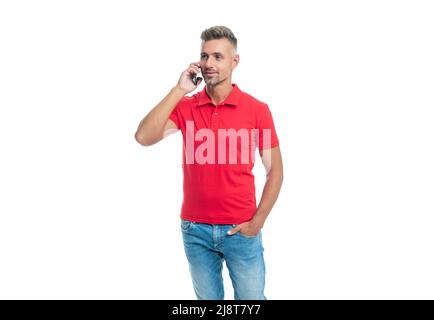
(207, 245)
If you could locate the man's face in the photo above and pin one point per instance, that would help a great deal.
(217, 60)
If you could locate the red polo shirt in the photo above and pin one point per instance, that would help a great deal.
(219, 144)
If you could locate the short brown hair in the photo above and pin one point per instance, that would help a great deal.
(219, 32)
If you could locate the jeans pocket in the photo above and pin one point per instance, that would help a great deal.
(248, 237)
(186, 225)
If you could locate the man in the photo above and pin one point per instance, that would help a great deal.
(219, 217)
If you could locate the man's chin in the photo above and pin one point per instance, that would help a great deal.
(211, 82)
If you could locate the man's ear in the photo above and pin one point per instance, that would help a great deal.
(235, 61)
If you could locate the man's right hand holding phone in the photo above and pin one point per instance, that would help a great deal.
(185, 82)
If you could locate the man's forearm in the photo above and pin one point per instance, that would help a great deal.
(269, 196)
(151, 127)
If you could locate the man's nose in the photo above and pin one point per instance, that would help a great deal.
(208, 64)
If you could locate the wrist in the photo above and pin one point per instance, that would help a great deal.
(179, 90)
(258, 221)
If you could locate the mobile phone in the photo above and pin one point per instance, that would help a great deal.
(196, 78)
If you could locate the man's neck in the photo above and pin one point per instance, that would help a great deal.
(219, 93)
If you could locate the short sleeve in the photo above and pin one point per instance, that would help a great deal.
(174, 115)
(267, 132)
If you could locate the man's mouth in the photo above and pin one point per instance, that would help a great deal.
(210, 73)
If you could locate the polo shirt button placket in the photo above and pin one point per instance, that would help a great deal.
(214, 119)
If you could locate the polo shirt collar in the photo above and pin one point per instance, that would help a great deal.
(231, 100)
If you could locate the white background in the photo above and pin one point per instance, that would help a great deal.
(88, 213)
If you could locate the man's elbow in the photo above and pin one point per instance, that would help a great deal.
(275, 174)
(143, 140)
